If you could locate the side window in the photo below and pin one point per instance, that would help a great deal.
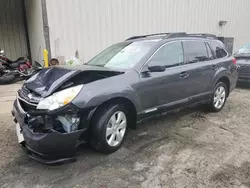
(169, 55)
(196, 51)
(218, 50)
(209, 52)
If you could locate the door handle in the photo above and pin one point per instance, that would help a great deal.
(214, 67)
(184, 74)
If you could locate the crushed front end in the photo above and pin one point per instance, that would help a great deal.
(49, 136)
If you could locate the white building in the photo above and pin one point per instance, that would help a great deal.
(89, 26)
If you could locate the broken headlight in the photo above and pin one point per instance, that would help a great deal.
(59, 99)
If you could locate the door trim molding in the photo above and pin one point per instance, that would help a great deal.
(178, 104)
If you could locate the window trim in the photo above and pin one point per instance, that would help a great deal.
(211, 50)
(184, 58)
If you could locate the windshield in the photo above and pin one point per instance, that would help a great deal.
(244, 50)
(122, 55)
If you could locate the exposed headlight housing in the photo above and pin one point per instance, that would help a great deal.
(59, 99)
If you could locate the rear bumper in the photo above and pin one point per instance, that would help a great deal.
(50, 147)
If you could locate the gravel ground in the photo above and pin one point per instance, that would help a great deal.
(186, 149)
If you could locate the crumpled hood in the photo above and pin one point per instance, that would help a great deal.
(46, 81)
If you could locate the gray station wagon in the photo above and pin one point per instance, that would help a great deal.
(60, 108)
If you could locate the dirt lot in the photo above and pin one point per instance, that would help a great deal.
(187, 149)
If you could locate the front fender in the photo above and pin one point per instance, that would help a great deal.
(95, 96)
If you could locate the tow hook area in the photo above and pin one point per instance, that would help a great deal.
(19, 134)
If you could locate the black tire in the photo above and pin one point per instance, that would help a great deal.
(7, 79)
(212, 106)
(99, 125)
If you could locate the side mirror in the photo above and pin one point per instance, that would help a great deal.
(156, 66)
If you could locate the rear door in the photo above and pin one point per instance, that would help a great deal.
(201, 67)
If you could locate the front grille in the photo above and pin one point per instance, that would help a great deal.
(29, 96)
(244, 70)
(23, 93)
(26, 105)
(27, 99)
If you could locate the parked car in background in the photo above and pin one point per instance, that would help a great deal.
(243, 61)
(62, 107)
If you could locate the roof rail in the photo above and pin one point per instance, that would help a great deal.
(143, 36)
(203, 35)
(166, 35)
(176, 35)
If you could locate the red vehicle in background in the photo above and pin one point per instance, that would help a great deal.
(19, 69)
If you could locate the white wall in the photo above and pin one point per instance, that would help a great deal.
(89, 26)
(35, 29)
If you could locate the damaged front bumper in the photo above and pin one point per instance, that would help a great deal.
(50, 146)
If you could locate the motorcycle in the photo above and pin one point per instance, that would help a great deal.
(19, 69)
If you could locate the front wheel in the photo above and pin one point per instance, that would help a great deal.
(219, 97)
(109, 127)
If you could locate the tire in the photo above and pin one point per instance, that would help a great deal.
(7, 79)
(220, 90)
(102, 123)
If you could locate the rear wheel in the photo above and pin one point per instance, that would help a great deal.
(109, 127)
(219, 97)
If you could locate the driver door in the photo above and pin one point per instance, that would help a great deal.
(160, 91)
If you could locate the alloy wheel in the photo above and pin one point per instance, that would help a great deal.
(219, 97)
(116, 128)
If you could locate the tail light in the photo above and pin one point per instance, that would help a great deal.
(234, 61)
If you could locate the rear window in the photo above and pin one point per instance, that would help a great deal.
(218, 50)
